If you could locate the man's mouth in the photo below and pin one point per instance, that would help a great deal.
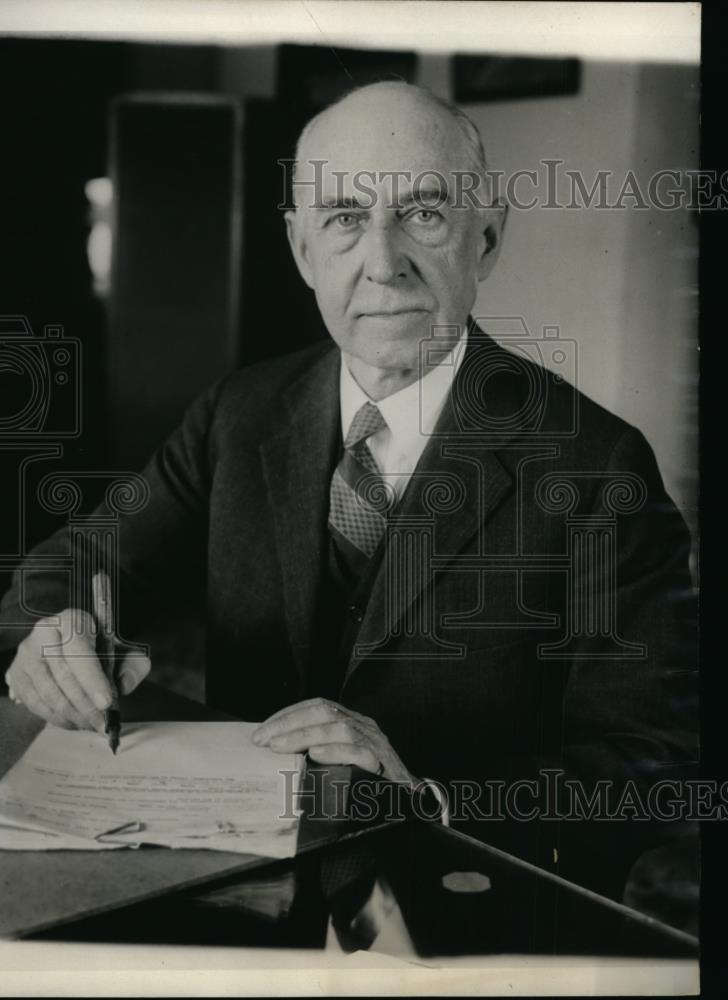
(400, 311)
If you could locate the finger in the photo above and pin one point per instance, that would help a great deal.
(62, 661)
(299, 740)
(10, 674)
(63, 711)
(345, 753)
(15, 675)
(9, 685)
(78, 651)
(38, 705)
(302, 705)
(306, 703)
(41, 684)
(132, 671)
(65, 679)
(304, 713)
(78, 621)
(14, 696)
(24, 692)
(34, 703)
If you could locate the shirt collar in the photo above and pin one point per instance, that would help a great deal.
(412, 412)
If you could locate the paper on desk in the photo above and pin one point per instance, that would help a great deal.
(175, 784)
(18, 838)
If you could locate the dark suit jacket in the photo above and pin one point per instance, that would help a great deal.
(462, 669)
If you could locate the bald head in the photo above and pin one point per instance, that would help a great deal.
(398, 107)
(394, 126)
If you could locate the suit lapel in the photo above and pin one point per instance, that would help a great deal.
(458, 483)
(297, 463)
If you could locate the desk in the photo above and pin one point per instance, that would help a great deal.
(41, 889)
(452, 895)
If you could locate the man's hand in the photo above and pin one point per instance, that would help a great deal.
(62, 681)
(332, 734)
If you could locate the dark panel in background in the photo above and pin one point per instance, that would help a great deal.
(278, 312)
(175, 168)
(313, 76)
(505, 78)
(173, 67)
(54, 106)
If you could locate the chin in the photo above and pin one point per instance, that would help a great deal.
(394, 362)
(389, 356)
(391, 345)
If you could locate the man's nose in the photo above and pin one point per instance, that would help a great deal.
(384, 262)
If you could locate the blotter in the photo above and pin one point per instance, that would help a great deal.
(173, 784)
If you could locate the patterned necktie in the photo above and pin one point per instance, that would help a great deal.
(358, 494)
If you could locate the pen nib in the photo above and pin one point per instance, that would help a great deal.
(113, 728)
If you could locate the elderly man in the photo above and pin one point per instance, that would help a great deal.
(380, 523)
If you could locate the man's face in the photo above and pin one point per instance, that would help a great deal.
(388, 252)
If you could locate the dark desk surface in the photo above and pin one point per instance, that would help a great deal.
(454, 895)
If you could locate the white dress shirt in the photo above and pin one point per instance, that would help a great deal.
(410, 415)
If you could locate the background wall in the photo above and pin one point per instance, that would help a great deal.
(621, 283)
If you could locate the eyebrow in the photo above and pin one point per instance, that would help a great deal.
(425, 195)
(327, 204)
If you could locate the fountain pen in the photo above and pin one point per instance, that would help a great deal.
(106, 651)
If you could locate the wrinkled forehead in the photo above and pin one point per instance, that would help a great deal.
(417, 148)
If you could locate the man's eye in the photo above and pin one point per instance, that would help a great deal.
(426, 216)
(345, 220)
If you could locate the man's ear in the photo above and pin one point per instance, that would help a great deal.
(493, 222)
(297, 241)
